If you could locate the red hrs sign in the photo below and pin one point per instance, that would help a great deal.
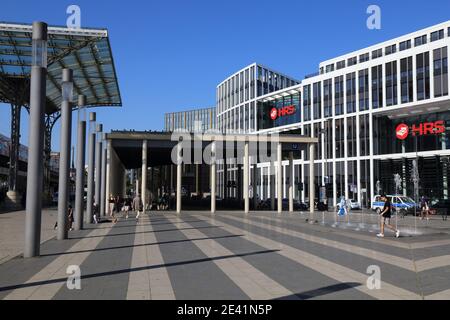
(423, 129)
(285, 111)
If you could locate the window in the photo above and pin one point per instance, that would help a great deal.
(340, 138)
(352, 61)
(440, 58)
(390, 49)
(307, 103)
(420, 41)
(377, 53)
(391, 83)
(377, 87)
(317, 100)
(363, 83)
(405, 45)
(364, 57)
(339, 95)
(423, 76)
(437, 35)
(364, 135)
(351, 137)
(330, 68)
(328, 97)
(351, 92)
(340, 65)
(406, 74)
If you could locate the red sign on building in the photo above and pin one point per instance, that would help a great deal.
(285, 111)
(422, 129)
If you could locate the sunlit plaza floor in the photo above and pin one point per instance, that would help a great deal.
(230, 255)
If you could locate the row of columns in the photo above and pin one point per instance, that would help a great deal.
(36, 145)
(246, 181)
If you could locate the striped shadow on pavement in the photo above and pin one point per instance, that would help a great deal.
(330, 269)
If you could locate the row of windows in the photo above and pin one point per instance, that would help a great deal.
(241, 119)
(193, 121)
(249, 83)
(418, 41)
(380, 85)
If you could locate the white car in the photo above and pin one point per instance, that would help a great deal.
(352, 204)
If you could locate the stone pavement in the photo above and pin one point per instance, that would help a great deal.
(12, 231)
(232, 256)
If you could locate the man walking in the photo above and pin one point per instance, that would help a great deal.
(386, 214)
(137, 206)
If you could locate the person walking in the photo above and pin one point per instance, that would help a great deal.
(385, 215)
(111, 205)
(137, 206)
(342, 211)
(126, 207)
(424, 209)
(71, 218)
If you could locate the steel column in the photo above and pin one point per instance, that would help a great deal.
(91, 164)
(35, 157)
(64, 161)
(80, 170)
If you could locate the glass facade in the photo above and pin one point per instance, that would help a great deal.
(199, 120)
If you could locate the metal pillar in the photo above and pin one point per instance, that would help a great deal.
(225, 179)
(272, 186)
(81, 155)
(64, 161)
(108, 177)
(213, 179)
(255, 185)
(98, 165)
(91, 164)
(280, 177)
(291, 182)
(312, 187)
(179, 173)
(14, 149)
(144, 174)
(36, 141)
(103, 178)
(246, 178)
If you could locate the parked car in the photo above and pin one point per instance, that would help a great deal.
(353, 204)
(441, 207)
(404, 205)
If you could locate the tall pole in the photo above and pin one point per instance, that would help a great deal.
(291, 182)
(144, 174)
(81, 155)
(213, 179)
(279, 178)
(179, 173)
(103, 179)
(312, 186)
(36, 141)
(91, 164)
(246, 178)
(98, 164)
(64, 161)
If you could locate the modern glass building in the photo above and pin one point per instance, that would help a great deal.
(199, 120)
(379, 111)
(236, 96)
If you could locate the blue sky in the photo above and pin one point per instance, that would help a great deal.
(171, 54)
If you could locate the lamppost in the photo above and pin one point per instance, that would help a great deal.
(80, 167)
(36, 140)
(64, 161)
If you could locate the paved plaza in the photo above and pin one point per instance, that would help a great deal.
(260, 256)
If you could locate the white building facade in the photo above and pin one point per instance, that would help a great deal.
(379, 111)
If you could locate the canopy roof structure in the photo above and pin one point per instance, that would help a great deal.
(86, 51)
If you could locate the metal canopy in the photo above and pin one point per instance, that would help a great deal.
(86, 51)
